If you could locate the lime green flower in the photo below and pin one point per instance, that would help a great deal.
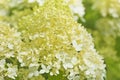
(9, 46)
(49, 44)
(62, 43)
(76, 6)
(40, 2)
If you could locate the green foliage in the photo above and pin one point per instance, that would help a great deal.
(55, 77)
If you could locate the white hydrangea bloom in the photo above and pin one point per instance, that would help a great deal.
(78, 47)
(2, 65)
(108, 7)
(45, 69)
(51, 43)
(73, 75)
(62, 42)
(41, 2)
(8, 40)
(9, 54)
(77, 8)
(11, 71)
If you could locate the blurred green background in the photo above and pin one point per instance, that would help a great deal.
(105, 30)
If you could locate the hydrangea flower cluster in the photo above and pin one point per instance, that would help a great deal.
(9, 46)
(47, 44)
(18, 8)
(108, 7)
(76, 7)
(6, 5)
